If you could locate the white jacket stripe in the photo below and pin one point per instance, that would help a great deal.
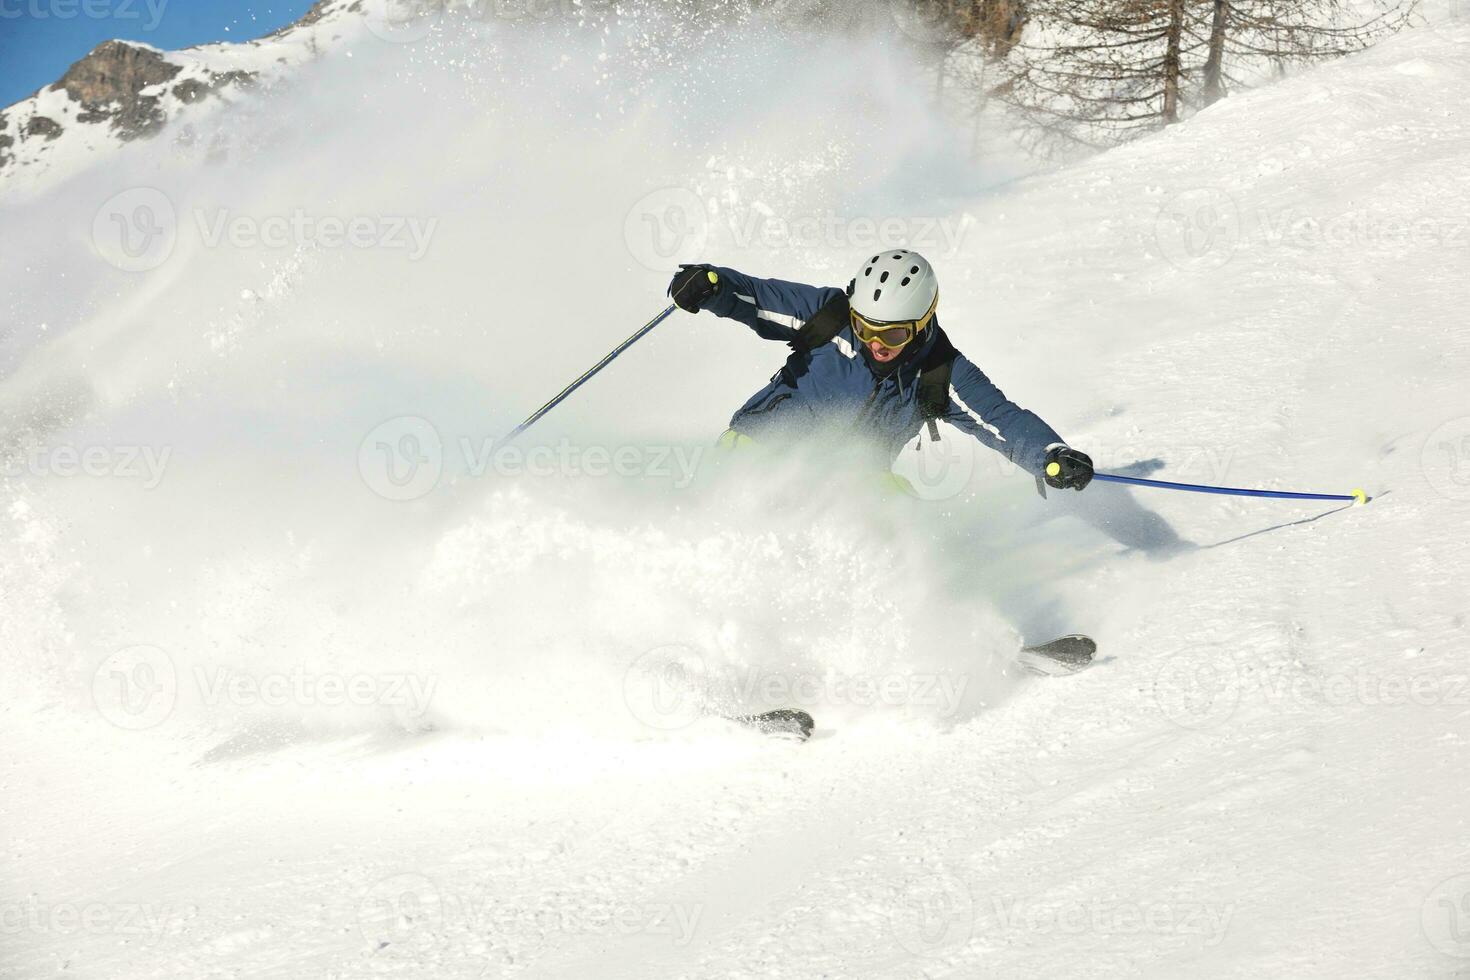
(783, 319)
(974, 414)
(795, 323)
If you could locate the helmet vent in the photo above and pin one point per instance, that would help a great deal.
(868, 271)
(899, 256)
(914, 271)
(883, 278)
(906, 281)
(876, 294)
(875, 258)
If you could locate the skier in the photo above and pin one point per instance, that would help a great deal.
(871, 360)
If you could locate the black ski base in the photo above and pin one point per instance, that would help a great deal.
(1064, 655)
(781, 723)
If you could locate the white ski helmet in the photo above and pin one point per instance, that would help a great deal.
(894, 287)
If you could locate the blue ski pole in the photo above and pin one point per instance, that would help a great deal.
(587, 375)
(1357, 496)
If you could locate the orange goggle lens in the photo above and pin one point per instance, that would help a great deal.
(890, 335)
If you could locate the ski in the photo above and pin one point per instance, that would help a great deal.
(1064, 655)
(781, 723)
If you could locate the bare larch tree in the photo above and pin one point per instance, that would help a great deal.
(1099, 72)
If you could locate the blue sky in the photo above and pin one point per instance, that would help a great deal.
(40, 38)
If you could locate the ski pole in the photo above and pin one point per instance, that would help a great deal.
(587, 375)
(1357, 496)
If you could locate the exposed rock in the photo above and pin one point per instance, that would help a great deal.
(43, 126)
(115, 71)
(191, 90)
(143, 117)
(243, 79)
(109, 83)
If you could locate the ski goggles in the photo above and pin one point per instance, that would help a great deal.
(891, 334)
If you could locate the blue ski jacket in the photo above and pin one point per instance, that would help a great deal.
(837, 387)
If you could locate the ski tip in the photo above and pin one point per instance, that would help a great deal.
(782, 723)
(1361, 497)
(1064, 655)
(794, 723)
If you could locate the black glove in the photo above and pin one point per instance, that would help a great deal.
(1067, 469)
(693, 285)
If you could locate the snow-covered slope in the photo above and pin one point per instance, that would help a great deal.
(290, 690)
(124, 91)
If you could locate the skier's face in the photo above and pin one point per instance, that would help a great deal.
(883, 354)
